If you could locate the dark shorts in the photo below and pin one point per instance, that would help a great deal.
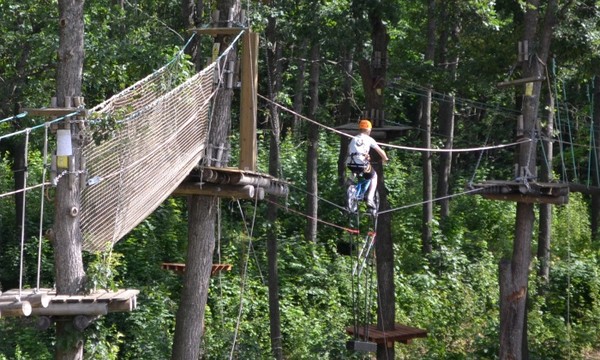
(365, 169)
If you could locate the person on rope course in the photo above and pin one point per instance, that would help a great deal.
(359, 160)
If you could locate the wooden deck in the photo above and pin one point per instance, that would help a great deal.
(400, 333)
(531, 192)
(180, 268)
(45, 302)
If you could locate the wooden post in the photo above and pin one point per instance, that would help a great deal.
(248, 101)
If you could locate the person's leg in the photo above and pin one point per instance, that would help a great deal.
(372, 189)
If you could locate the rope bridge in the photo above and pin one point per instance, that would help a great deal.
(160, 137)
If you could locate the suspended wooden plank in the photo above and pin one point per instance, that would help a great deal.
(531, 192)
(180, 268)
(123, 306)
(400, 333)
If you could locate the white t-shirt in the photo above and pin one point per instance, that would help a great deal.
(358, 149)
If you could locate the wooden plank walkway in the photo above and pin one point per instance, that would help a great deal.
(46, 302)
(400, 333)
(532, 192)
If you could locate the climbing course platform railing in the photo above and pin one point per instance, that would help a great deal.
(157, 135)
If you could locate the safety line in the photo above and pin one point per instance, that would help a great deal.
(455, 150)
(428, 201)
(349, 230)
(18, 116)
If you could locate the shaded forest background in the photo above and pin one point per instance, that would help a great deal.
(451, 291)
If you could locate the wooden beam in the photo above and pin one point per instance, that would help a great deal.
(248, 101)
(588, 190)
(217, 31)
(519, 81)
(72, 309)
(123, 306)
(15, 308)
(223, 191)
(54, 112)
(529, 199)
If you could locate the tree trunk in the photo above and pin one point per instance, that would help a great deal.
(299, 86)
(372, 74)
(70, 275)
(274, 66)
(312, 153)
(595, 222)
(191, 13)
(545, 227)
(513, 285)
(427, 216)
(345, 113)
(189, 327)
(202, 218)
(450, 64)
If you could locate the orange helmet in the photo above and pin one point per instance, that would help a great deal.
(364, 124)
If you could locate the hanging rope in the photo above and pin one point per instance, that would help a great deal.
(244, 273)
(23, 204)
(558, 124)
(41, 225)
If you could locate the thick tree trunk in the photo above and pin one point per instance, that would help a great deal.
(312, 153)
(202, 219)
(70, 276)
(513, 286)
(189, 327)
(274, 62)
(372, 74)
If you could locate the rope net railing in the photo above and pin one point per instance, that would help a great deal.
(159, 138)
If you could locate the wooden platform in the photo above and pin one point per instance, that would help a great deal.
(180, 268)
(231, 182)
(46, 302)
(400, 333)
(531, 192)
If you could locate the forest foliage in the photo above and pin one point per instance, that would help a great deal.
(452, 293)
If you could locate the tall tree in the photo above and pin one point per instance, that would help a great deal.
(70, 275)
(312, 153)
(425, 123)
(448, 60)
(274, 56)
(202, 216)
(373, 72)
(514, 272)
